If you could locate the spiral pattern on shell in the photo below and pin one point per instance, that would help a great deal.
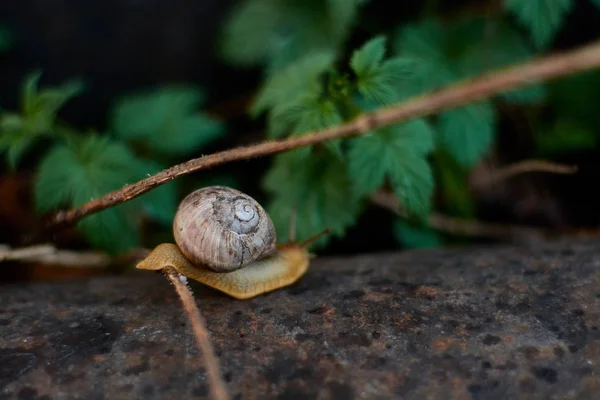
(222, 229)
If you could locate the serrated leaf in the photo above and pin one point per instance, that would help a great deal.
(397, 153)
(49, 101)
(166, 120)
(369, 56)
(378, 80)
(318, 187)
(416, 237)
(297, 80)
(39, 108)
(543, 18)
(467, 47)
(74, 173)
(467, 133)
(140, 115)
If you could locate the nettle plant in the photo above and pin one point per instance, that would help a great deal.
(148, 131)
(312, 82)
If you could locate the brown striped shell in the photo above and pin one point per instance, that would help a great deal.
(222, 229)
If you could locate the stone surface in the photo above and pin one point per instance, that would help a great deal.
(518, 322)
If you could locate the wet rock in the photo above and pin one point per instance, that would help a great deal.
(478, 323)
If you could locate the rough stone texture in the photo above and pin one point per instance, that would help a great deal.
(480, 323)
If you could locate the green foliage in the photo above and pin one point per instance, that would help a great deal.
(83, 169)
(311, 94)
(36, 119)
(165, 120)
(312, 80)
(543, 18)
(81, 166)
(274, 33)
(468, 132)
(596, 2)
(318, 188)
(443, 54)
(397, 153)
(380, 81)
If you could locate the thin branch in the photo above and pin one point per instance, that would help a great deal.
(48, 254)
(217, 386)
(532, 72)
(461, 227)
(511, 170)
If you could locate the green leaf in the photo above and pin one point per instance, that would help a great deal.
(369, 57)
(543, 18)
(443, 53)
(50, 100)
(160, 203)
(86, 168)
(467, 133)
(18, 132)
(596, 2)
(416, 237)
(377, 80)
(166, 120)
(318, 187)
(397, 153)
(298, 80)
(12, 142)
(278, 32)
(500, 46)
(425, 44)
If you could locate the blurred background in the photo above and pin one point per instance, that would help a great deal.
(94, 95)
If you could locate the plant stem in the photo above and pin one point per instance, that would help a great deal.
(535, 71)
(461, 227)
(511, 170)
(211, 362)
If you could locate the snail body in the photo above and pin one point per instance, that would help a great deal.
(226, 240)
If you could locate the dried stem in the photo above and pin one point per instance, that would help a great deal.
(511, 170)
(535, 71)
(461, 227)
(213, 370)
(48, 254)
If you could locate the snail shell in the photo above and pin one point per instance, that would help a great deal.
(222, 229)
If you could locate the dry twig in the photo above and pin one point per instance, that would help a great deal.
(461, 227)
(511, 170)
(217, 386)
(518, 76)
(48, 254)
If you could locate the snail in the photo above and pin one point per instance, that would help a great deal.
(226, 240)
